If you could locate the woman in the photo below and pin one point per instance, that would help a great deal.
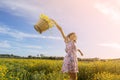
(70, 63)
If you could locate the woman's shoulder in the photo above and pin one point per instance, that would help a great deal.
(69, 42)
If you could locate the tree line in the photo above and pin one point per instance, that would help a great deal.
(42, 56)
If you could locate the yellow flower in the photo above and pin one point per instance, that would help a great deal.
(46, 18)
(2, 74)
(0, 69)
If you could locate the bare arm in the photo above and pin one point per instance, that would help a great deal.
(80, 52)
(60, 29)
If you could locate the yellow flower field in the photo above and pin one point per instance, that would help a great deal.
(42, 69)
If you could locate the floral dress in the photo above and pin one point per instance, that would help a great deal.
(70, 62)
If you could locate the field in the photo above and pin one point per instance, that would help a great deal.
(41, 69)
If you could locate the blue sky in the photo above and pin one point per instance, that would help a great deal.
(95, 22)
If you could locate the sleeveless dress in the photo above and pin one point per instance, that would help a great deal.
(70, 62)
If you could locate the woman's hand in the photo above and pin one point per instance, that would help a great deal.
(56, 24)
(80, 52)
(53, 21)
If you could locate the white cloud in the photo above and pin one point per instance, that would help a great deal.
(21, 35)
(110, 45)
(110, 9)
(4, 44)
(33, 47)
(20, 49)
(21, 7)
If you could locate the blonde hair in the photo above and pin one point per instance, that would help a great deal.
(68, 36)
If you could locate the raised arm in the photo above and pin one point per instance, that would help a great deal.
(60, 29)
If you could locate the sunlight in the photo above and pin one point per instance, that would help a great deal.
(111, 45)
(109, 9)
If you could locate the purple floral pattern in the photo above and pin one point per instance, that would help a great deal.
(70, 62)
